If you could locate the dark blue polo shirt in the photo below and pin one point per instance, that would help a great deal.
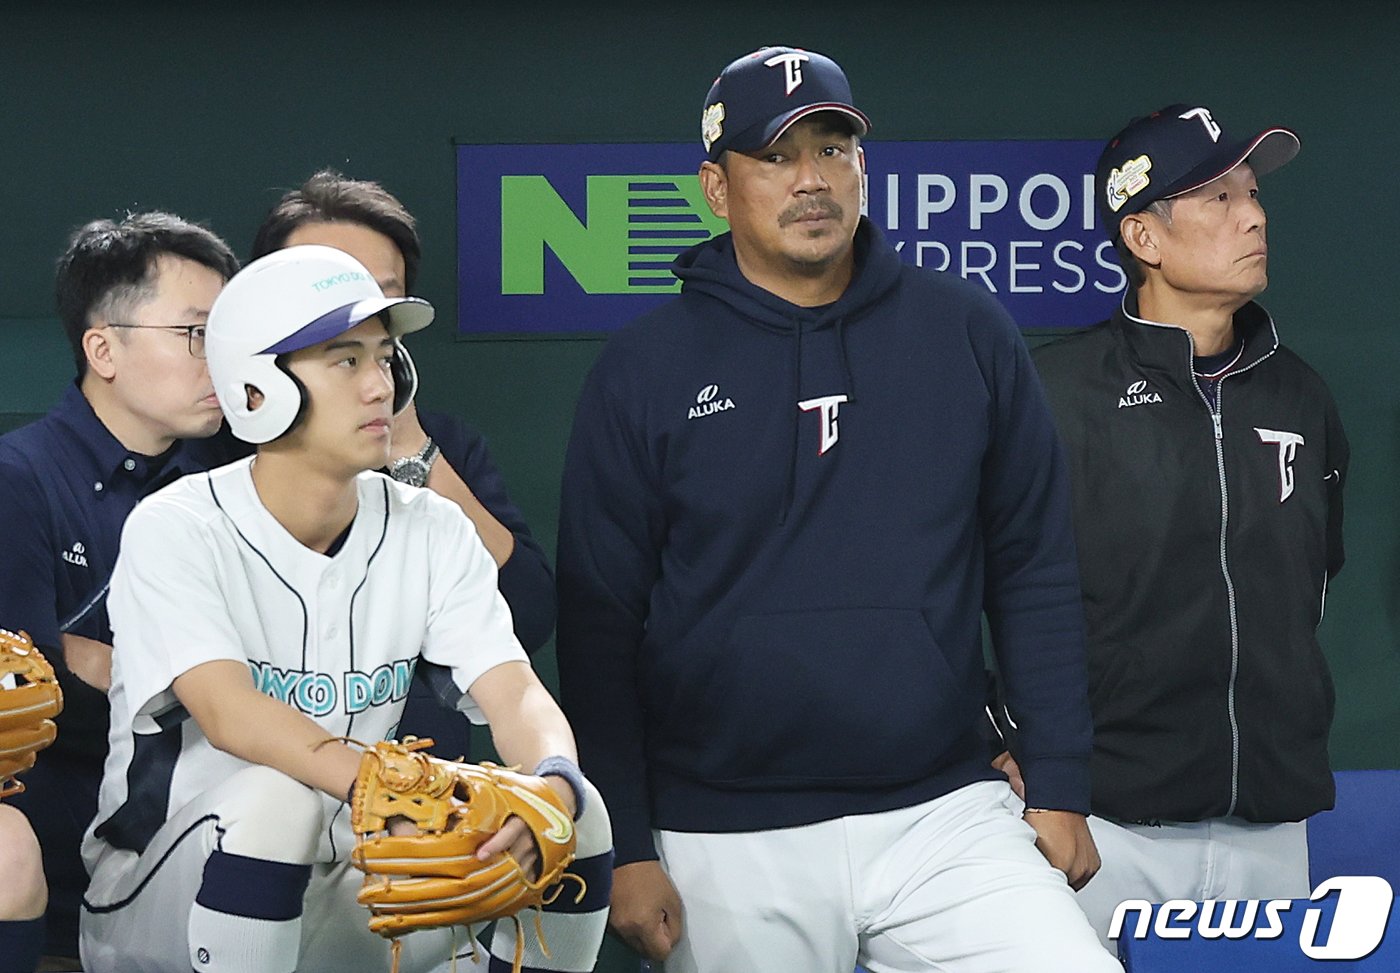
(66, 487)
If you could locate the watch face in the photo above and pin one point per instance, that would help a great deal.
(411, 471)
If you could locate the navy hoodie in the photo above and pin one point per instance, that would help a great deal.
(770, 597)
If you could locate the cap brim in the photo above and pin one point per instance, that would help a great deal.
(1267, 151)
(755, 138)
(774, 130)
(405, 315)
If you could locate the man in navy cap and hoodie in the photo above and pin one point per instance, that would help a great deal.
(1207, 462)
(789, 497)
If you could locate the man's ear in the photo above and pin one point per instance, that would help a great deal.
(1141, 234)
(97, 348)
(714, 183)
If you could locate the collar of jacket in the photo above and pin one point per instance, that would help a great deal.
(1169, 351)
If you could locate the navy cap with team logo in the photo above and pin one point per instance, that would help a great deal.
(756, 98)
(1173, 151)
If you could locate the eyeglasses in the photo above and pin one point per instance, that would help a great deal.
(194, 333)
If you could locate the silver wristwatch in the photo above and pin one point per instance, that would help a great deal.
(414, 469)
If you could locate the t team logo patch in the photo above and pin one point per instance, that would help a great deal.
(1203, 115)
(830, 407)
(792, 74)
(1127, 182)
(78, 555)
(1287, 443)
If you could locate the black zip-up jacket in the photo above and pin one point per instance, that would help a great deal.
(1206, 540)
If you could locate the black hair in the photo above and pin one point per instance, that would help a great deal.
(108, 268)
(329, 197)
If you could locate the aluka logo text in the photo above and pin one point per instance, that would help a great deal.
(1137, 394)
(708, 402)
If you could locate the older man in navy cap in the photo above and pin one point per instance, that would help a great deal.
(770, 610)
(1208, 463)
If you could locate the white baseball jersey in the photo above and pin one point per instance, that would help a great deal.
(207, 573)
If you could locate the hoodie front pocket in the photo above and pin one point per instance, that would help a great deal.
(833, 698)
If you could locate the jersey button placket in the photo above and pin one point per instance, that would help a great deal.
(331, 582)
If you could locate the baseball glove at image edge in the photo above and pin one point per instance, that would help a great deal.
(29, 699)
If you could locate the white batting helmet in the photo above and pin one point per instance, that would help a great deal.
(286, 301)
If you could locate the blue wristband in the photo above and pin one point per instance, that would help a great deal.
(558, 766)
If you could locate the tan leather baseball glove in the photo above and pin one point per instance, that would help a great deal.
(29, 699)
(433, 878)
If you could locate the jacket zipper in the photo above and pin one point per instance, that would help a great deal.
(1215, 418)
(1216, 411)
(1230, 596)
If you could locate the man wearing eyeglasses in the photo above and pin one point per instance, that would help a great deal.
(133, 297)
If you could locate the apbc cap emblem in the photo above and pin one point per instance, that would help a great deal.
(712, 124)
(1128, 181)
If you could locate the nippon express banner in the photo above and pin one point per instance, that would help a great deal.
(579, 238)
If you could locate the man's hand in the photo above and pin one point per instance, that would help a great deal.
(1006, 763)
(646, 909)
(516, 838)
(1063, 838)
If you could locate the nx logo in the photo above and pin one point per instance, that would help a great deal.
(1287, 443)
(706, 403)
(632, 229)
(1212, 129)
(1358, 919)
(1137, 394)
(792, 64)
(830, 406)
(77, 555)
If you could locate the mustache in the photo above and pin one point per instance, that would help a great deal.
(824, 207)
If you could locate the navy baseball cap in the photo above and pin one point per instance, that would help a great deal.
(1173, 151)
(756, 98)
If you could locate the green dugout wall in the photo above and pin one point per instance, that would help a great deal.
(212, 110)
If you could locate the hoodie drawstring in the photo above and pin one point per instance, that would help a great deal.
(790, 486)
(845, 360)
